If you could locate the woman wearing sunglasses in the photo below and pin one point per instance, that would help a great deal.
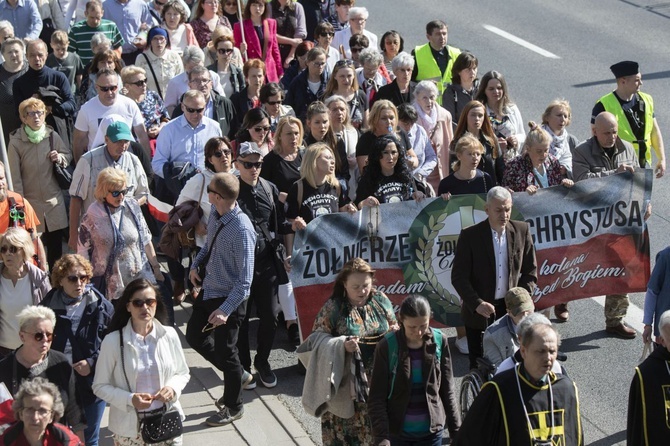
(35, 358)
(114, 237)
(230, 75)
(150, 103)
(82, 317)
(21, 284)
(150, 372)
(255, 128)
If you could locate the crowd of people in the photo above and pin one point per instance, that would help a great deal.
(251, 120)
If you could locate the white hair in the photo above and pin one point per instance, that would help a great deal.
(35, 313)
(422, 86)
(193, 54)
(402, 60)
(498, 193)
(664, 322)
(371, 55)
(358, 11)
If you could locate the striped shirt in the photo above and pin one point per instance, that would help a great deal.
(81, 35)
(230, 269)
(417, 417)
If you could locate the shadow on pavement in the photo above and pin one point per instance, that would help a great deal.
(614, 439)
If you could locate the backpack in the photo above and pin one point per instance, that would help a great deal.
(392, 344)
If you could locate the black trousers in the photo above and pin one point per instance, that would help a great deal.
(53, 244)
(221, 347)
(263, 296)
(474, 335)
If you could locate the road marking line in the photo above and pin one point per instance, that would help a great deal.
(520, 41)
(633, 316)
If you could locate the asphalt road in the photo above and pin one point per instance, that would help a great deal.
(587, 37)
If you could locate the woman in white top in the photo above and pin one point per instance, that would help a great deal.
(340, 122)
(141, 367)
(174, 21)
(159, 61)
(503, 113)
(555, 119)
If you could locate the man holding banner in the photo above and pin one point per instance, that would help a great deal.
(491, 257)
(602, 155)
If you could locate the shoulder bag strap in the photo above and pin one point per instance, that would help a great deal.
(202, 188)
(123, 367)
(158, 88)
(205, 260)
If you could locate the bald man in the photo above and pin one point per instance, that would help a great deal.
(602, 155)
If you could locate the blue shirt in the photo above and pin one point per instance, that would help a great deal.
(423, 149)
(178, 141)
(128, 18)
(25, 18)
(230, 269)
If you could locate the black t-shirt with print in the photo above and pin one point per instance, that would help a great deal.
(315, 201)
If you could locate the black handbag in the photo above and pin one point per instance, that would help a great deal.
(157, 425)
(278, 248)
(63, 174)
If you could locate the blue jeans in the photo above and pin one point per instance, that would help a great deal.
(430, 440)
(93, 413)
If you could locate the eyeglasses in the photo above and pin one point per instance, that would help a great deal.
(260, 129)
(108, 89)
(358, 19)
(139, 303)
(83, 278)
(35, 114)
(274, 102)
(116, 193)
(220, 153)
(212, 191)
(223, 51)
(327, 34)
(200, 81)
(160, 3)
(194, 110)
(11, 249)
(345, 62)
(139, 83)
(318, 64)
(250, 165)
(39, 336)
(29, 412)
(356, 50)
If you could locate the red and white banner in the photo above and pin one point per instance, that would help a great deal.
(590, 240)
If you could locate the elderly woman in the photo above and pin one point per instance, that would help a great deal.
(82, 317)
(340, 123)
(372, 74)
(436, 121)
(399, 91)
(555, 119)
(357, 317)
(272, 101)
(159, 60)
(386, 178)
(21, 284)
(310, 84)
(115, 238)
(419, 141)
(35, 358)
(179, 32)
(33, 151)
(291, 27)
(463, 85)
(141, 368)
(323, 35)
(343, 83)
(207, 18)
(384, 121)
(13, 67)
(391, 45)
(230, 75)
(503, 113)
(37, 406)
(149, 101)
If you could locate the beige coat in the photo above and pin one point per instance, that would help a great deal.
(33, 176)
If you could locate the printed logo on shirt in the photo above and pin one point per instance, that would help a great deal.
(320, 204)
(542, 426)
(392, 192)
(666, 399)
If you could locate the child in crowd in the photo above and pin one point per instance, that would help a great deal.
(67, 63)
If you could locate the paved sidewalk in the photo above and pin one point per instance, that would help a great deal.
(266, 420)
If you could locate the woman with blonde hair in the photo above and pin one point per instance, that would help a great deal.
(281, 166)
(151, 104)
(340, 123)
(466, 178)
(343, 83)
(21, 284)
(211, 51)
(34, 150)
(555, 119)
(115, 238)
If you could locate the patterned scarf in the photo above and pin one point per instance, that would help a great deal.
(558, 143)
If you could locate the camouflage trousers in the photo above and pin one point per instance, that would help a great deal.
(616, 306)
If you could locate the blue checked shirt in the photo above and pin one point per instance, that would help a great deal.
(230, 269)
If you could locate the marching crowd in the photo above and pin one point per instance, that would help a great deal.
(249, 120)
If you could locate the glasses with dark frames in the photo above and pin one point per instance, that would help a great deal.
(83, 278)
(108, 89)
(195, 110)
(224, 51)
(116, 193)
(139, 83)
(212, 191)
(280, 102)
(11, 249)
(220, 153)
(250, 165)
(260, 129)
(39, 336)
(139, 303)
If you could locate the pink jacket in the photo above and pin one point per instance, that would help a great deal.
(255, 49)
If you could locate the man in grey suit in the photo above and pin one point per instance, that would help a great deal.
(491, 257)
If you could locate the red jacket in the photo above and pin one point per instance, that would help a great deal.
(55, 435)
(274, 67)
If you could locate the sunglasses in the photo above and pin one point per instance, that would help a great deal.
(116, 193)
(275, 102)
(160, 3)
(345, 62)
(17, 214)
(108, 89)
(81, 278)
(11, 249)
(39, 336)
(139, 83)
(260, 129)
(223, 51)
(220, 153)
(249, 164)
(327, 34)
(356, 50)
(194, 110)
(139, 303)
